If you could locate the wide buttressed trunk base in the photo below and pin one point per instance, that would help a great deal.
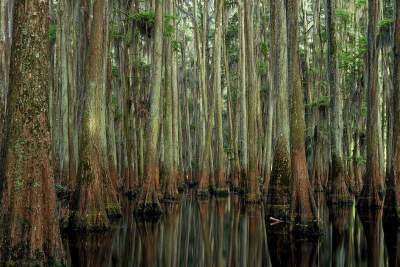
(171, 192)
(391, 208)
(278, 198)
(203, 189)
(253, 194)
(148, 206)
(303, 212)
(95, 197)
(338, 192)
(370, 197)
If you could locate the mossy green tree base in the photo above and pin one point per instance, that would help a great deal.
(93, 221)
(113, 210)
(278, 199)
(203, 193)
(220, 192)
(148, 211)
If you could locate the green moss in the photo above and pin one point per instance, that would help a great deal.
(148, 211)
(113, 210)
(220, 192)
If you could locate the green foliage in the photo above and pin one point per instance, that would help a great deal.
(385, 22)
(169, 28)
(361, 3)
(264, 49)
(143, 17)
(262, 67)
(52, 32)
(343, 14)
(323, 101)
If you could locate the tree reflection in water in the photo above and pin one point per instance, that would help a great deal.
(226, 232)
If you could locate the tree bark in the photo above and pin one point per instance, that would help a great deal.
(30, 229)
(370, 196)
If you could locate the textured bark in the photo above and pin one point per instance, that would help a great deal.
(303, 208)
(253, 189)
(170, 188)
(149, 198)
(278, 197)
(338, 191)
(95, 196)
(370, 196)
(244, 160)
(30, 229)
(220, 176)
(392, 199)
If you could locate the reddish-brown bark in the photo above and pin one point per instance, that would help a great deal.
(29, 227)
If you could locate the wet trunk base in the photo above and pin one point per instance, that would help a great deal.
(148, 207)
(220, 191)
(391, 208)
(370, 198)
(311, 230)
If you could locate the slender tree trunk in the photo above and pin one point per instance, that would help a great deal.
(252, 186)
(339, 193)
(221, 185)
(371, 193)
(392, 200)
(303, 207)
(170, 188)
(148, 201)
(30, 229)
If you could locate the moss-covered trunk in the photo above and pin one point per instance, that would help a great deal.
(278, 197)
(29, 226)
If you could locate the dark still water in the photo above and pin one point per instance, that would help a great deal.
(222, 232)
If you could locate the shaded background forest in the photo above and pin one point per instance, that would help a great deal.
(272, 99)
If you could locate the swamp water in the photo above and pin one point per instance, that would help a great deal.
(223, 232)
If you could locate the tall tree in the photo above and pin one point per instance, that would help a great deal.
(95, 196)
(30, 228)
(370, 196)
(170, 188)
(149, 199)
(278, 197)
(253, 190)
(392, 199)
(339, 193)
(303, 207)
(221, 185)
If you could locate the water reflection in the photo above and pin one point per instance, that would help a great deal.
(225, 232)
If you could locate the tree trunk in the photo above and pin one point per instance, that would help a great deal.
(95, 196)
(278, 197)
(371, 193)
(339, 193)
(30, 228)
(252, 186)
(392, 200)
(221, 185)
(149, 199)
(303, 208)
